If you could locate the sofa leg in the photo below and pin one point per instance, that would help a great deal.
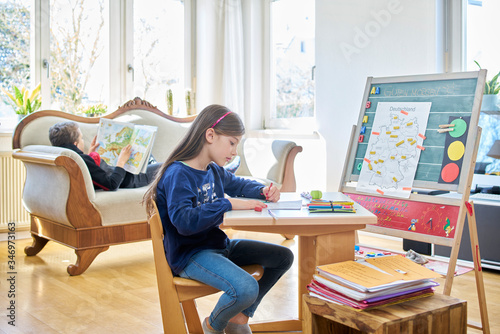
(36, 246)
(84, 259)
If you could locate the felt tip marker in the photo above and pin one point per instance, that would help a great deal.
(272, 214)
(267, 195)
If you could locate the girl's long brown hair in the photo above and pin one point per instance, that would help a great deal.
(192, 143)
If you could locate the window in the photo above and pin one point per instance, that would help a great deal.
(482, 47)
(293, 59)
(80, 65)
(159, 54)
(79, 54)
(15, 24)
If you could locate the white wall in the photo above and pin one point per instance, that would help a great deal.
(360, 38)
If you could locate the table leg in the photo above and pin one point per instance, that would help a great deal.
(322, 249)
(307, 320)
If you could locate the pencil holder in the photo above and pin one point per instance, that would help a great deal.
(316, 194)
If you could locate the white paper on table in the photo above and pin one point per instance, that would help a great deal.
(285, 205)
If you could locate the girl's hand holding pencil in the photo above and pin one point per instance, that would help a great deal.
(272, 193)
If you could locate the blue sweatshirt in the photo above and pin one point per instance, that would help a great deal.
(191, 204)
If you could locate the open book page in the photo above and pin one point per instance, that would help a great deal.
(141, 141)
(112, 136)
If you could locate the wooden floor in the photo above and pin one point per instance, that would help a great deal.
(118, 293)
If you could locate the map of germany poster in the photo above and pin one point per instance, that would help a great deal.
(394, 148)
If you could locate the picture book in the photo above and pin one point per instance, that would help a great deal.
(113, 136)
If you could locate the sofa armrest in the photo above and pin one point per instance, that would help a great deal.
(269, 161)
(288, 183)
(58, 186)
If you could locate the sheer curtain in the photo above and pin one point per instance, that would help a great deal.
(220, 54)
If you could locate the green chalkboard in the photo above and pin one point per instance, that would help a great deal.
(455, 94)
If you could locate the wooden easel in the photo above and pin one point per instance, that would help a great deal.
(462, 204)
(471, 218)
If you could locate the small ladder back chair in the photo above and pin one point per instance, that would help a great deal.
(175, 291)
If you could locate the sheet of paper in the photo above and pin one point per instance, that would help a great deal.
(358, 273)
(404, 268)
(285, 205)
(394, 147)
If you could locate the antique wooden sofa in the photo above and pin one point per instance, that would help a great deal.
(59, 195)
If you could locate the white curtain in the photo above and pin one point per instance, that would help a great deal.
(220, 55)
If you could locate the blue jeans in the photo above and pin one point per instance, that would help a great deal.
(220, 268)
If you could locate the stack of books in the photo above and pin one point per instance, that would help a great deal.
(372, 282)
(319, 205)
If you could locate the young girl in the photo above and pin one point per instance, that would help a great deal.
(189, 192)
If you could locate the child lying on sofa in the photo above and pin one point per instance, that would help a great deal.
(68, 135)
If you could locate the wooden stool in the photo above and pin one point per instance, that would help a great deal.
(437, 314)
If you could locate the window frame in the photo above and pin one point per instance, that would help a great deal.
(121, 60)
(302, 124)
(121, 50)
(40, 50)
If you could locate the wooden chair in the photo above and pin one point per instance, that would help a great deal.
(175, 291)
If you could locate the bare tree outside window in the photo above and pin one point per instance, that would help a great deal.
(77, 29)
(14, 43)
(14, 54)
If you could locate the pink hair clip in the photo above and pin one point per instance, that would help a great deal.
(220, 119)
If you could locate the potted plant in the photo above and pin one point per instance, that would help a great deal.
(491, 98)
(170, 102)
(189, 103)
(23, 101)
(94, 110)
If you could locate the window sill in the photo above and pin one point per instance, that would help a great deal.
(283, 134)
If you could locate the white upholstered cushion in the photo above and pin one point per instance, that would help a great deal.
(121, 206)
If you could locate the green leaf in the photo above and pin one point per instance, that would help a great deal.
(18, 94)
(28, 106)
(37, 105)
(493, 81)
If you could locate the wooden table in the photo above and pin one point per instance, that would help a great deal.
(439, 314)
(323, 238)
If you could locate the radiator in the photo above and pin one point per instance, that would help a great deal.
(11, 184)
